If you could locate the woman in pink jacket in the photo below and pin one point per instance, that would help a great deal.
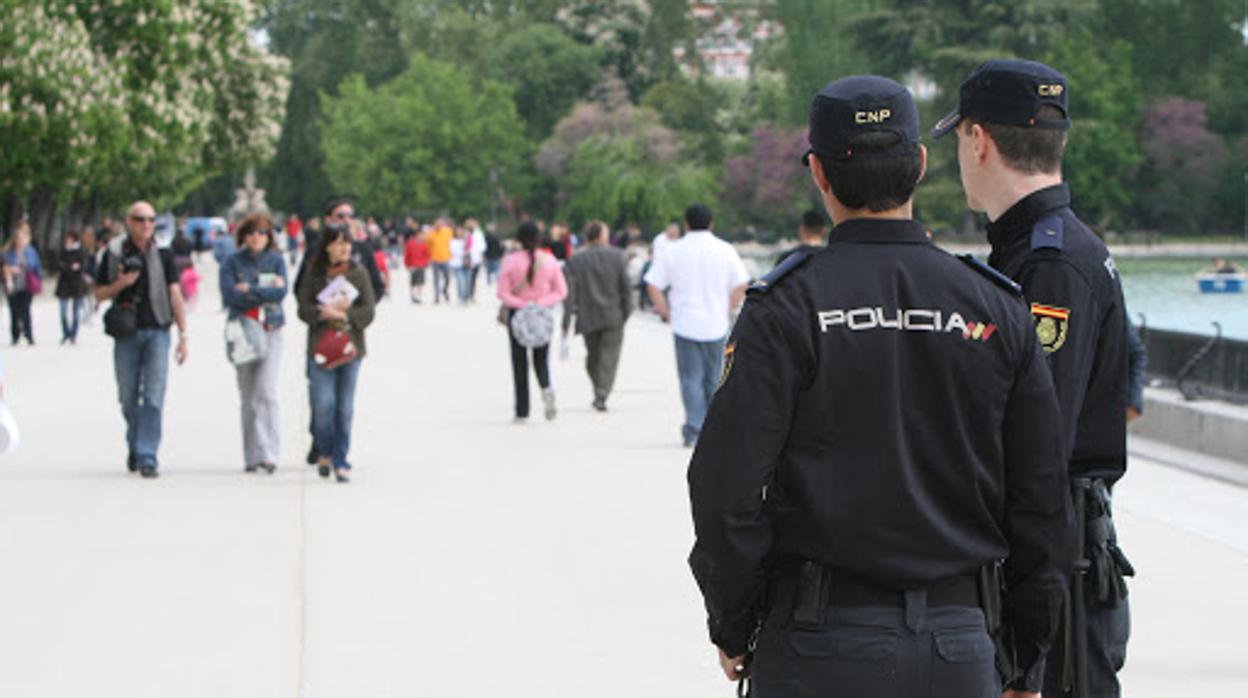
(530, 277)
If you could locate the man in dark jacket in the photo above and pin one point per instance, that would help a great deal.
(599, 299)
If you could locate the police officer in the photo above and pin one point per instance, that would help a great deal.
(884, 431)
(1011, 123)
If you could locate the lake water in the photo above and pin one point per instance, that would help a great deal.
(1164, 291)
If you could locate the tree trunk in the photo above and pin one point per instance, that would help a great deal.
(13, 210)
(42, 216)
(77, 214)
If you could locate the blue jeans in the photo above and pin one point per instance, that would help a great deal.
(463, 283)
(441, 281)
(69, 321)
(141, 363)
(492, 267)
(332, 393)
(699, 365)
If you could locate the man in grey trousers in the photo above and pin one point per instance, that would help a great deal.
(600, 300)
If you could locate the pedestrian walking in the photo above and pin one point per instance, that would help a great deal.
(142, 283)
(294, 232)
(1011, 123)
(460, 267)
(23, 280)
(530, 285)
(852, 499)
(336, 301)
(254, 283)
(494, 252)
(811, 236)
(474, 254)
(600, 300)
(705, 280)
(71, 284)
(416, 259)
(90, 249)
(440, 259)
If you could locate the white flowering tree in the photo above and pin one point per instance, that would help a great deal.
(103, 101)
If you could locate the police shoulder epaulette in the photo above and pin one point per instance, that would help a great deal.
(769, 280)
(993, 275)
(1047, 232)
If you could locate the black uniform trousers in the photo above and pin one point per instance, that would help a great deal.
(875, 652)
(1109, 627)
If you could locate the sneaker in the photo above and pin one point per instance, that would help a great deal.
(148, 472)
(340, 474)
(322, 470)
(313, 456)
(268, 468)
(600, 404)
(548, 399)
(131, 463)
(250, 468)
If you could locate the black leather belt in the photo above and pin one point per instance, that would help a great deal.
(815, 588)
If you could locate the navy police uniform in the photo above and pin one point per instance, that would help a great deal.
(1074, 295)
(885, 428)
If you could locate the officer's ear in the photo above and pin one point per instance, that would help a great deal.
(818, 176)
(981, 143)
(922, 162)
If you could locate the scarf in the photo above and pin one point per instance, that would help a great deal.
(157, 285)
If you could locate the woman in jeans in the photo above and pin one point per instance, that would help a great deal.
(22, 270)
(71, 284)
(332, 390)
(253, 283)
(530, 276)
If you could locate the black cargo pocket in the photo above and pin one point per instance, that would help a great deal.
(964, 664)
(861, 661)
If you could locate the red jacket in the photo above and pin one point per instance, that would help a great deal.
(416, 254)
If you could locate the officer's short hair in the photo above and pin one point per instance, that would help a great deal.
(1029, 150)
(878, 183)
(698, 217)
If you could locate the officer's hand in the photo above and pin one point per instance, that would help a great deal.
(1019, 694)
(732, 666)
(1132, 414)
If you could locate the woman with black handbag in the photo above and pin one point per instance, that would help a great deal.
(336, 301)
(530, 285)
(253, 284)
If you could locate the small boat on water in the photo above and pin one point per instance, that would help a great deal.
(1221, 283)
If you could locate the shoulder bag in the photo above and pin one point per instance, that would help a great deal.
(245, 341)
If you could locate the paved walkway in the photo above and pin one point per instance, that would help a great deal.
(469, 556)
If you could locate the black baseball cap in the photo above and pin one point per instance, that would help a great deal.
(862, 116)
(1009, 93)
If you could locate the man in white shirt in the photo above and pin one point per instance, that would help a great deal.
(704, 279)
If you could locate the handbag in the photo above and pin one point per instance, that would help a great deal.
(121, 321)
(533, 325)
(34, 282)
(334, 348)
(245, 341)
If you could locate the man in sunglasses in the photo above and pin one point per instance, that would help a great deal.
(142, 282)
(340, 212)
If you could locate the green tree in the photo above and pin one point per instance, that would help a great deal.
(1102, 153)
(691, 108)
(428, 139)
(620, 164)
(817, 48)
(325, 40)
(549, 72)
